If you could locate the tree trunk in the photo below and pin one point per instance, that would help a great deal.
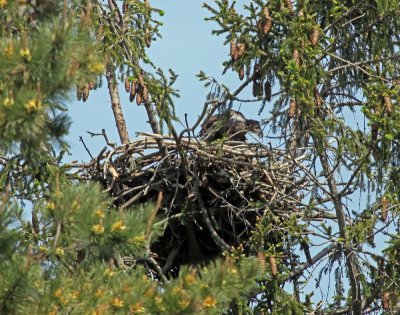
(116, 107)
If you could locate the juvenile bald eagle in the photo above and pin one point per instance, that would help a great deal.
(230, 124)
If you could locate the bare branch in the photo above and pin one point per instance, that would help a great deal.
(116, 107)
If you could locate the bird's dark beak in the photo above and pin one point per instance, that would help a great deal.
(259, 132)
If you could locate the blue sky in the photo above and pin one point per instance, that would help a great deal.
(187, 47)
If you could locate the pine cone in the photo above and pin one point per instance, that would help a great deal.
(292, 108)
(296, 57)
(266, 13)
(241, 73)
(273, 265)
(386, 300)
(92, 85)
(240, 49)
(384, 209)
(314, 36)
(127, 85)
(267, 90)
(132, 92)
(257, 89)
(139, 95)
(261, 260)
(267, 26)
(268, 21)
(318, 101)
(233, 49)
(79, 93)
(388, 104)
(289, 5)
(145, 93)
(141, 79)
(85, 92)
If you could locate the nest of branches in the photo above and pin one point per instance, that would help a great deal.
(209, 194)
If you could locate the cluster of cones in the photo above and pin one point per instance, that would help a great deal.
(83, 91)
(237, 50)
(137, 89)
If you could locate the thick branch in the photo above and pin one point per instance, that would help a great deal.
(299, 270)
(116, 108)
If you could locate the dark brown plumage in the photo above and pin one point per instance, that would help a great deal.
(231, 124)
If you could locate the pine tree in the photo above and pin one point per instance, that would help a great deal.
(334, 66)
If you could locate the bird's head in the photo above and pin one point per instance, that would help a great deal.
(254, 127)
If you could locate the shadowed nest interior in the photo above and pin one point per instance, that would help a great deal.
(212, 193)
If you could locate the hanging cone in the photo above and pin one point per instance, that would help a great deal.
(292, 108)
(79, 93)
(314, 36)
(92, 85)
(145, 94)
(296, 57)
(386, 300)
(261, 260)
(267, 90)
(384, 209)
(233, 49)
(268, 21)
(317, 98)
(139, 95)
(85, 92)
(388, 104)
(267, 26)
(141, 79)
(289, 5)
(241, 73)
(127, 85)
(266, 13)
(240, 49)
(257, 89)
(273, 265)
(132, 92)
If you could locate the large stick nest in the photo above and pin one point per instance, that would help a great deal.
(212, 193)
